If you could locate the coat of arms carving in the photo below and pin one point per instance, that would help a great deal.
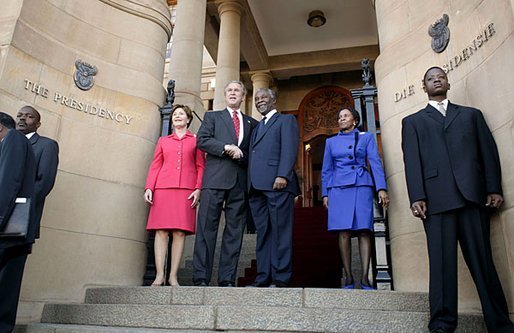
(440, 34)
(84, 75)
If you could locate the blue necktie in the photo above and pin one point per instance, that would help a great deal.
(262, 125)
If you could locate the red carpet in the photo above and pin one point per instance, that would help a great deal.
(316, 260)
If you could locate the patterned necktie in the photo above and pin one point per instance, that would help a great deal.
(235, 119)
(440, 107)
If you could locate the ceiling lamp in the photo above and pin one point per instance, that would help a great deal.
(316, 19)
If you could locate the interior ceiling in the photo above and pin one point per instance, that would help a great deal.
(284, 30)
(275, 36)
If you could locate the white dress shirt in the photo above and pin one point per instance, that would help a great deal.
(435, 104)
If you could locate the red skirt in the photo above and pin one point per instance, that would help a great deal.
(172, 210)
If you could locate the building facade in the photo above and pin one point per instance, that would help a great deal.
(93, 224)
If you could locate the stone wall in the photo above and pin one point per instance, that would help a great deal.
(93, 227)
(483, 79)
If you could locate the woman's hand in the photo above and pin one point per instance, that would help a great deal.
(325, 202)
(149, 196)
(383, 198)
(195, 195)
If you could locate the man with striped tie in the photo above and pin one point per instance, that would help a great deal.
(224, 136)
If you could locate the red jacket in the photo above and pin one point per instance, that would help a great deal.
(177, 163)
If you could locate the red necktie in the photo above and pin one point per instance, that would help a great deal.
(235, 118)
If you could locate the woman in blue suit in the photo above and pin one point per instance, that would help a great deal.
(348, 189)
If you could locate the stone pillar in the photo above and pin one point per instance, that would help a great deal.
(227, 67)
(478, 80)
(260, 80)
(187, 53)
(93, 225)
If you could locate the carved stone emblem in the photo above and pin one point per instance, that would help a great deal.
(440, 34)
(84, 75)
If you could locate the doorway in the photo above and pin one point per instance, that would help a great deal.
(317, 119)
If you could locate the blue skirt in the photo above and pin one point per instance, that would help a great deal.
(350, 208)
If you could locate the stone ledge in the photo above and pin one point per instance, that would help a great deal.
(249, 318)
(129, 315)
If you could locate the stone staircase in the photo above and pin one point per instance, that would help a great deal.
(185, 274)
(316, 261)
(211, 309)
(250, 310)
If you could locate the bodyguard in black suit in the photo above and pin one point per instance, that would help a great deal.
(453, 178)
(17, 175)
(46, 151)
(273, 185)
(224, 136)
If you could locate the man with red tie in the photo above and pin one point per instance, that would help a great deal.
(224, 136)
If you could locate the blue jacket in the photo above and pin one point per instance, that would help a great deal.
(342, 169)
(273, 153)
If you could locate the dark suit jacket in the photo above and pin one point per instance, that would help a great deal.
(46, 152)
(217, 130)
(451, 159)
(274, 150)
(17, 178)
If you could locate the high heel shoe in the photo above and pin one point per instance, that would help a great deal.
(173, 281)
(366, 287)
(349, 284)
(157, 284)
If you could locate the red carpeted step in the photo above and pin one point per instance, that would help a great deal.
(316, 261)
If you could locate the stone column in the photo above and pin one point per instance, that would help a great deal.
(227, 67)
(93, 225)
(260, 79)
(405, 55)
(187, 53)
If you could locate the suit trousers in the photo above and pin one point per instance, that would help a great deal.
(209, 213)
(12, 264)
(470, 226)
(273, 214)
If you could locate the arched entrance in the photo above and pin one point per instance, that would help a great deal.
(317, 119)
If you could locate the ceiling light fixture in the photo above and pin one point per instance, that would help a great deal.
(316, 19)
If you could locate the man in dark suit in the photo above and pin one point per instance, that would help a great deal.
(453, 178)
(46, 151)
(273, 185)
(224, 136)
(17, 175)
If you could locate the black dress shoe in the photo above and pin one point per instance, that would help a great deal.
(278, 284)
(439, 330)
(226, 284)
(258, 285)
(201, 283)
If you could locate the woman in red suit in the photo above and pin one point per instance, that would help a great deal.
(173, 190)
